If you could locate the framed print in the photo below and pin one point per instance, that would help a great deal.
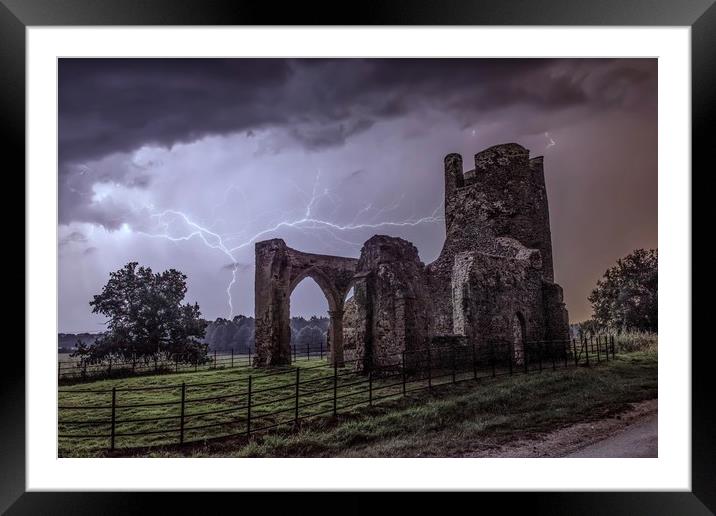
(411, 250)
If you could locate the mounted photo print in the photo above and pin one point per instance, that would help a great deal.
(357, 257)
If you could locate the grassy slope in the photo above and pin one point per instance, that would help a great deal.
(453, 420)
(468, 417)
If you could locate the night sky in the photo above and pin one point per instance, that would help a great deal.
(185, 163)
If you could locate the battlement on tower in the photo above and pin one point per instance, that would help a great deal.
(499, 159)
(503, 196)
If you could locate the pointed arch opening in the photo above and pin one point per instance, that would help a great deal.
(309, 319)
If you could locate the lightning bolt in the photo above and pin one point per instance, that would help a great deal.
(551, 142)
(308, 221)
(208, 237)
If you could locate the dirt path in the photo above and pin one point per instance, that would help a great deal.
(637, 440)
(630, 434)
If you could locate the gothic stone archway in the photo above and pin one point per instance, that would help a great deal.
(278, 270)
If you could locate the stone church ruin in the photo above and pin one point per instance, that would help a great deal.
(493, 281)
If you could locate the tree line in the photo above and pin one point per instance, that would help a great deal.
(625, 298)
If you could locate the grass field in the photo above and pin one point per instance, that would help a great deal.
(444, 421)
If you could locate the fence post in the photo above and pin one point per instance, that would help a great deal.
(586, 347)
(370, 389)
(551, 352)
(248, 411)
(249, 355)
(614, 353)
(298, 371)
(606, 348)
(403, 373)
(453, 364)
(430, 370)
(492, 357)
(511, 352)
(599, 341)
(181, 420)
(574, 352)
(474, 362)
(335, 388)
(114, 414)
(540, 351)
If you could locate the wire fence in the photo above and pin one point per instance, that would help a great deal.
(177, 414)
(74, 371)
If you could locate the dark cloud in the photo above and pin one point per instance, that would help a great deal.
(117, 105)
(111, 107)
(329, 135)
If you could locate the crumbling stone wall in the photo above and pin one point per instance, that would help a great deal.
(492, 290)
(493, 280)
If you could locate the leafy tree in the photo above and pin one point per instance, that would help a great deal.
(626, 298)
(309, 337)
(147, 320)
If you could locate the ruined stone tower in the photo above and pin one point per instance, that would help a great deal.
(503, 196)
(493, 281)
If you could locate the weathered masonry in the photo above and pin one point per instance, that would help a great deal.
(492, 283)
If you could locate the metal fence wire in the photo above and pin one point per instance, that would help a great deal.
(75, 371)
(159, 415)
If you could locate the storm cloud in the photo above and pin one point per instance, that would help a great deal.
(241, 145)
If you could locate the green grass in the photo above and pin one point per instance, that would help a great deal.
(446, 421)
(228, 415)
(71, 369)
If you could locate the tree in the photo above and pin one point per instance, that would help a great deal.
(588, 328)
(147, 320)
(309, 337)
(626, 297)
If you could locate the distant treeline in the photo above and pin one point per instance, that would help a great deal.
(67, 342)
(226, 334)
(238, 333)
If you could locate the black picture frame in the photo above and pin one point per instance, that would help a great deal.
(17, 15)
